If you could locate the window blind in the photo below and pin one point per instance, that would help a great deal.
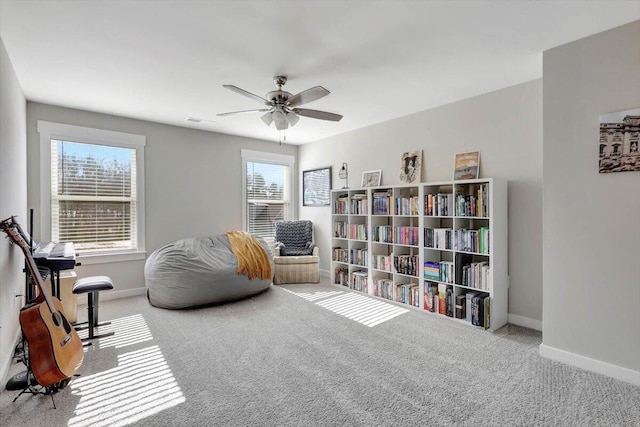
(93, 196)
(267, 197)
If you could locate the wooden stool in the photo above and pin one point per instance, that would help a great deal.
(92, 286)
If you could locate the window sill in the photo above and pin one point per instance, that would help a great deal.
(104, 258)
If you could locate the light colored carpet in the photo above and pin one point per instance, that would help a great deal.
(311, 355)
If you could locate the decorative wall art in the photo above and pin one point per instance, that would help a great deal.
(371, 178)
(410, 166)
(467, 165)
(316, 187)
(619, 149)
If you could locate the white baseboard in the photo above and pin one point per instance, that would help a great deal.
(7, 359)
(110, 295)
(324, 273)
(589, 364)
(525, 322)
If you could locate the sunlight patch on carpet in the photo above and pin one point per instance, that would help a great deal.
(140, 386)
(358, 307)
(128, 330)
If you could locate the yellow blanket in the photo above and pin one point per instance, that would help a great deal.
(252, 258)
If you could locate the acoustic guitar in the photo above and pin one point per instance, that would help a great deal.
(55, 349)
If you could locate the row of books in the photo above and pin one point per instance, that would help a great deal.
(406, 205)
(360, 257)
(341, 204)
(406, 264)
(382, 203)
(358, 231)
(440, 204)
(359, 204)
(438, 238)
(476, 275)
(403, 235)
(441, 271)
(341, 276)
(472, 240)
(340, 229)
(475, 204)
(460, 240)
(474, 307)
(382, 262)
(340, 255)
(408, 293)
(383, 288)
(359, 281)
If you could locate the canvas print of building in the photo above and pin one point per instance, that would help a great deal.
(620, 141)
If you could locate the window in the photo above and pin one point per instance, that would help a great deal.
(267, 191)
(92, 191)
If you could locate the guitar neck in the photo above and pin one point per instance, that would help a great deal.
(13, 230)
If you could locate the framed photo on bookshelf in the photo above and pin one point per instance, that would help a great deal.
(410, 166)
(316, 187)
(467, 165)
(371, 178)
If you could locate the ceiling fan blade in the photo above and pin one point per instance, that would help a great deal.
(244, 111)
(307, 96)
(247, 94)
(315, 114)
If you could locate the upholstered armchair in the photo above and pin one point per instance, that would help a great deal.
(296, 257)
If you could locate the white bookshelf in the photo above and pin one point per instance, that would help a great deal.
(382, 252)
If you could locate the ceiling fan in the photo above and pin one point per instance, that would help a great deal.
(282, 107)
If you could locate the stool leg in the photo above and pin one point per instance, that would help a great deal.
(92, 316)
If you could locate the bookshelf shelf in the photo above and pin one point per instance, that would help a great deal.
(445, 243)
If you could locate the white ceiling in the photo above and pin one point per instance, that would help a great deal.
(165, 61)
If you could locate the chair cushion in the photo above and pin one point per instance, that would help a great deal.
(92, 284)
(291, 251)
(296, 260)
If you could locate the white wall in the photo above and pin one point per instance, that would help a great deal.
(591, 238)
(13, 201)
(505, 126)
(193, 181)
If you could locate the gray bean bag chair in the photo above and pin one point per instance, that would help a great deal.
(198, 271)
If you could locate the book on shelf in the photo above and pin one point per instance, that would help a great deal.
(450, 301)
(383, 288)
(381, 203)
(480, 310)
(432, 270)
(469, 297)
(461, 305)
(442, 299)
(341, 276)
(461, 261)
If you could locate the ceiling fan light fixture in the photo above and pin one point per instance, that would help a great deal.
(292, 118)
(267, 118)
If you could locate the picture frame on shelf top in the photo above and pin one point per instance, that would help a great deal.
(410, 166)
(371, 178)
(467, 165)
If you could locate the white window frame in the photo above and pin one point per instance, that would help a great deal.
(265, 157)
(59, 131)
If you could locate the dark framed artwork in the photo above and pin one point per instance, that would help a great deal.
(316, 187)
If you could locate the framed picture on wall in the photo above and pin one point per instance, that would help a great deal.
(316, 187)
(371, 178)
(467, 165)
(619, 144)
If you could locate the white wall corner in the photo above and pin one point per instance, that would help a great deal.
(591, 365)
(525, 322)
(325, 273)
